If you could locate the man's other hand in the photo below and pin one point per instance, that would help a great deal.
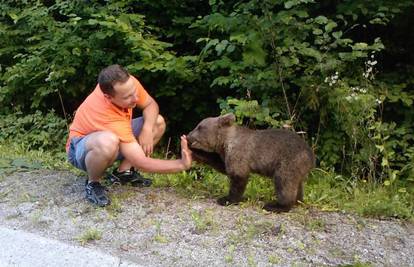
(146, 141)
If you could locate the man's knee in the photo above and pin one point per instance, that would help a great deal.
(160, 123)
(106, 142)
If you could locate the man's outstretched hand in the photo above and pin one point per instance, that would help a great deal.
(186, 157)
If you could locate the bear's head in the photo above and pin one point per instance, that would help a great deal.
(207, 135)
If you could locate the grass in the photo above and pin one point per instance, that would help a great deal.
(89, 235)
(14, 156)
(329, 191)
(324, 190)
(203, 220)
(159, 237)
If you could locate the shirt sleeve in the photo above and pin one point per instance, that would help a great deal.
(141, 92)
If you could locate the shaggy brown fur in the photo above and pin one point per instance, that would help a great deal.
(238, 151)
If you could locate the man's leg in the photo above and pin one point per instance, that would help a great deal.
(101, 151)
(93, 154)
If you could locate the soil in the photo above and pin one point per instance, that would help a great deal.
(159, 227)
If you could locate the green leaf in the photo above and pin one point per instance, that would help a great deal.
(220, 47)
(289, 4)
(231, 48)
(402, 190)
(360, 46)
(337, 34)
(239, 37)
(321, 20)
(330, 26)
(317, 31)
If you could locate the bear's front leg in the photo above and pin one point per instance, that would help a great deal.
(209, 158)
(237, 187)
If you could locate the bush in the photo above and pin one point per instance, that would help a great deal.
(37, 131)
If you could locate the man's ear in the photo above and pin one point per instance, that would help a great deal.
(109, 97)
(227, 120)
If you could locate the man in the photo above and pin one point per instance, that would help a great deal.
(103, 131)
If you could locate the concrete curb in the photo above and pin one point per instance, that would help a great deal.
(19, 248)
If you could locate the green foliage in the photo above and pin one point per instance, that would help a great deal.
(340, 73)
(325, 190)
(330, 191)
(89, 235)
(59, 49)
(261, 115)
(199, 181)
(35, 131)
(288, 67)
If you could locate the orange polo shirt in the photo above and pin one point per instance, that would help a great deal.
(97, 113)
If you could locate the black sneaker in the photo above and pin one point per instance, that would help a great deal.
(96, 193)
(131, 177)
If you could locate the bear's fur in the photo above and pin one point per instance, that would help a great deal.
(238, 151)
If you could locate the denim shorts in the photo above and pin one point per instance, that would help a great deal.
(77, 147)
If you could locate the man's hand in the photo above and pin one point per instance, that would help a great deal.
(146, 140)
(186, 157)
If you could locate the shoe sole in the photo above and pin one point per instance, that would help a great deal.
(98, 204)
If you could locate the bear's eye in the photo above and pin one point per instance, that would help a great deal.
(200, 127)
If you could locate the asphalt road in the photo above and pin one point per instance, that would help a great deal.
(19, 248)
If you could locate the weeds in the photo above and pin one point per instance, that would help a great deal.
(330, 191)
(250, 261)
(323, 190)
(36, 217)
(229, 258)
(89, 235)
(159, 237)
(203, 220)
(274, 259)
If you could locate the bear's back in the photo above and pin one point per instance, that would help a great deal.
(272, 149)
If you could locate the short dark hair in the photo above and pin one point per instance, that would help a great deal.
(111, 75)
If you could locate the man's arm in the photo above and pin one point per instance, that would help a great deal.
(150, 113)
(135, 155)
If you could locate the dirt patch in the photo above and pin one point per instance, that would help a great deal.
(157, 227)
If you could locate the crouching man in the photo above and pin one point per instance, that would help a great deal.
(103, 131)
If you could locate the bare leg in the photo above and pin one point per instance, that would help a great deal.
(102, 150)
(158, 130)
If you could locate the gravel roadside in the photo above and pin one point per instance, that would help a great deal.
(158, 227)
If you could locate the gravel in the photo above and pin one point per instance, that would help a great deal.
(158, 227)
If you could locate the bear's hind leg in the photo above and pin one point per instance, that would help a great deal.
(300, 192)
(287, 193)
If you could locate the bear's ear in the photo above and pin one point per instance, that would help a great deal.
(227, 120)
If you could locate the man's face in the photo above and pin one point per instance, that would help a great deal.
(125, 94)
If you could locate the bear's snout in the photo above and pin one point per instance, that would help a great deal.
(193, 143)
(190, 139)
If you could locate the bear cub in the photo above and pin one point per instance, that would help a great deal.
(238, 151)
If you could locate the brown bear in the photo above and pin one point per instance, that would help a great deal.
(238, 151)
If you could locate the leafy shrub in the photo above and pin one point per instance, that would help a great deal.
(298, 64)
(34, 131)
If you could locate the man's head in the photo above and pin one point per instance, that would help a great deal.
(118, 86)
